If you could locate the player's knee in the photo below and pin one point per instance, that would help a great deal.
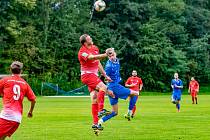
(134, 93)
(101, 86)
(103, 89)
(94, 98)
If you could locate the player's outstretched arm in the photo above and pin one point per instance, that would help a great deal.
(129, 85)
(108, 52)
(30, 113)
(179, 86)
(102, 71)
(97, 57)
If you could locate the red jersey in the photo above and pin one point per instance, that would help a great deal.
(194, 86)
(135, 81)
(87, 65)
(13, 89)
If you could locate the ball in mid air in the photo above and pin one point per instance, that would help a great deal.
(99, 5)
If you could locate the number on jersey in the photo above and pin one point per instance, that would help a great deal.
(16, 90)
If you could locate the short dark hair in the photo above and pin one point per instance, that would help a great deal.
(83, 38)
(16, 67)
(16, 71)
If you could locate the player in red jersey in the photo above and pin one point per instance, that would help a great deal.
(193, 90)
(13, 89)
(134, 83)
(89, 59)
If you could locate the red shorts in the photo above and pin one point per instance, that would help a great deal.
(193, 93)
(91, 80)
(7, 128)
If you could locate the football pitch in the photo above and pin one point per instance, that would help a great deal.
(156, 119)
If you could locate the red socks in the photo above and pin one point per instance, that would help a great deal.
(134, 110)
(95, 113)
(101, 95)
(98, 106)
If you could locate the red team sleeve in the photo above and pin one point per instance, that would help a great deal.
(197, 86)
(128, 81)
(190, 85)
(140, 81)
(1, 87)
(83, 55)
(30, 94)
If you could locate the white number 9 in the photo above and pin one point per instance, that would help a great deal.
(16, 90)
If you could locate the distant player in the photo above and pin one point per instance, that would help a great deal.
(134, 83)
(177, 86)
(89, 59)
(193, 90)
(13, 89)
(112, 69)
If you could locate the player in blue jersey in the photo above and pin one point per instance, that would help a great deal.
(112, 70)
(177, 86)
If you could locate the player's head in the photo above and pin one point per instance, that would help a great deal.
(85, 39)
(16, 67)
(134, 73)
(176, 76)
(111, 54)
(192, 78)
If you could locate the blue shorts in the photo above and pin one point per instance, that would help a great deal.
(176, 97)
(119, 92)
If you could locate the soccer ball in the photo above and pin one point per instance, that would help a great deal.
(99, 5)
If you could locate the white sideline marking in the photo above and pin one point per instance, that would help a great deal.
(65, 96)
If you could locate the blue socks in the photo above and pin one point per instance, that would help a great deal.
(107, 117)
(178, 106)
(132, 102)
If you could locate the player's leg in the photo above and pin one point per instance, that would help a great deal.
(132, 103)
(7, 128)
(134, 108)
(133, 111)
(133, 98)
(3, 137)
(101, 94)
(112, 114)
(123, 93)
(178, 106)
(94, 102)
(196, 98)
(173, 100)
(193, 97)
(102, 88)
(114, 103)
(94, 83)
(178, 102)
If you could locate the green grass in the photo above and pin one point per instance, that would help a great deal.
(156, 119)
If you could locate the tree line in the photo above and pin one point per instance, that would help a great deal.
(156, 38)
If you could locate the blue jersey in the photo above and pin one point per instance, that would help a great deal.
(177, 83)
(113, 71)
